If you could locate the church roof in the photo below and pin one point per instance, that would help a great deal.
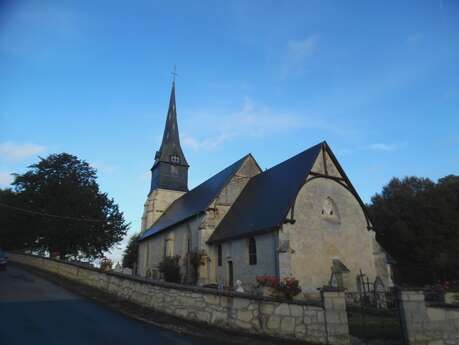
(265, 201)
(195, 202)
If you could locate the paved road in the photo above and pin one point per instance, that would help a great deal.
(37, 312)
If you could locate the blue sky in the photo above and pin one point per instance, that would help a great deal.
(378, 80)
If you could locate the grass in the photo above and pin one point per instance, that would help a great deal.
(372, 323)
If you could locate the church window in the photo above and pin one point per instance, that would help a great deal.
(188, 244)
(219, 254)
(174, 170)
(252, 252)
(175, 159)
(329, 210)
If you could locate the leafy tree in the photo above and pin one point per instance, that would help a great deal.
(12, 224)
(131, 252)
(64, 210)
(417, 222)
(170, 269)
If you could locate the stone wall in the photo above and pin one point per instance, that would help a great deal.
(324, 322)
(428, 324)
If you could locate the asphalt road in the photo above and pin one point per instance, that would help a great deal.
(34, 311)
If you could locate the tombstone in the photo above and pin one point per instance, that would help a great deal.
(380, 293)
(239, 287)
(118, 268)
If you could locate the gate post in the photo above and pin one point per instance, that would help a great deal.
(336, 323)
(413, 313)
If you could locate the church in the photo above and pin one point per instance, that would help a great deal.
(301, 218)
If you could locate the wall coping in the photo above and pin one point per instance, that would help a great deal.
(411, 289)
(443, 305)
(330, 289)
(191, 288)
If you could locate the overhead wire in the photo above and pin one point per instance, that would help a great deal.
(52, 215)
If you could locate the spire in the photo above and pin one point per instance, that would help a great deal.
(170, 170)
(170, 150)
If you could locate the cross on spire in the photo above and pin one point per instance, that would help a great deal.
(174, 74)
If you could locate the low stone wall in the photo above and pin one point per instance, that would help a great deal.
(428, 324)
(324, 322)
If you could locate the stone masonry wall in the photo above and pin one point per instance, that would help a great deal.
(426, 324)
(324, 323)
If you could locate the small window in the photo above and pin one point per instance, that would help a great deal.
(252, 252)
(188, 244)
(175, 159)
(219, 250)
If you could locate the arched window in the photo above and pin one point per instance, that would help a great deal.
(219, 253)
(252, 252)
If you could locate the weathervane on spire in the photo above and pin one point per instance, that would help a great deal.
(174, 74)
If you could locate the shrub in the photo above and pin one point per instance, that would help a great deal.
(170, 269)
(196, 260)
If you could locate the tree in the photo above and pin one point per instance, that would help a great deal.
(131, 252)
(417, 222)
(59, 207)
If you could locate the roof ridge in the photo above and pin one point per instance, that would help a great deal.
(269, 196)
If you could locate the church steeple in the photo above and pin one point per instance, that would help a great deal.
(170, 170)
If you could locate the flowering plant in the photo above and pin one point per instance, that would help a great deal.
(289, 287)
(452, 284)
(267, 281)
(106, 264)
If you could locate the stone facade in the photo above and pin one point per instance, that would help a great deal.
(426, 324)
(197, 229)
(157, 202)
(315, 240)
(307, 247)
(324, 322)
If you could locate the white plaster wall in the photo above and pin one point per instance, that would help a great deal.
(316, 241)
(237, 251)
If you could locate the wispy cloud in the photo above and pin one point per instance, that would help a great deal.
(296, 55)
(17, 152)
(382, 147)
(5, 178)
(252, 121)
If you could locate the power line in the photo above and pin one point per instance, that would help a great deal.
(52, 215)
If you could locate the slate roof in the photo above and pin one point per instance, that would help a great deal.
(171, 139)
(267, 198)
(195, 202)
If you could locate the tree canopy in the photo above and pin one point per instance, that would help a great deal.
(131, 252)
(56, 206)
(417, 222)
